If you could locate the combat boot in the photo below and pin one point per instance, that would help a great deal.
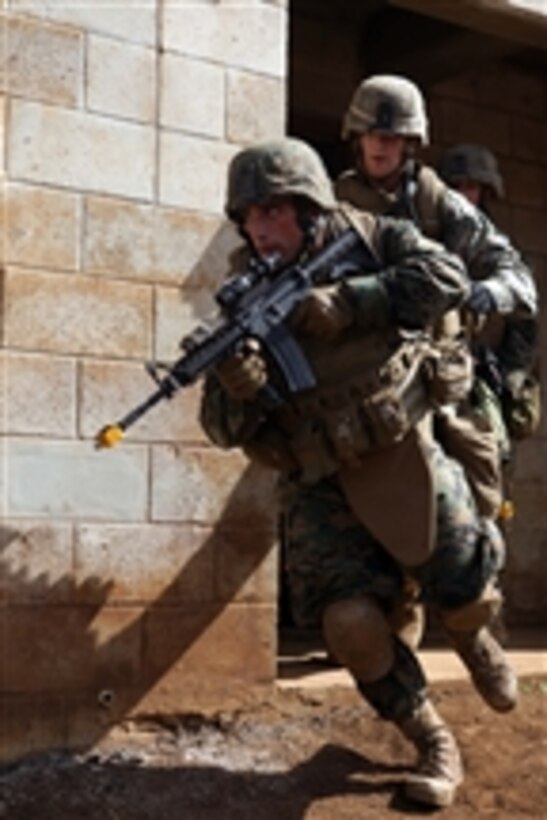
(493, 677)
(439, 769)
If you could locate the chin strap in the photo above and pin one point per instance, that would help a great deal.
(406, 202)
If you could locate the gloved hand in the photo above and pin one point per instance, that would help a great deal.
(244, 374)
(514, 382)
(481, 299)
(324, 312)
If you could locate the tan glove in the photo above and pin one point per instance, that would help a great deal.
(243, 374)
(325, 311)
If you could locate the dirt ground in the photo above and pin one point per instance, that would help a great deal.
(314, 754)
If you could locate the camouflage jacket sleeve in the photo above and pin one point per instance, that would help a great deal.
(418, 282)
(488, 254)
(227, 422)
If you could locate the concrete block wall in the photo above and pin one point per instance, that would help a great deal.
(505, 108)
(142, 578)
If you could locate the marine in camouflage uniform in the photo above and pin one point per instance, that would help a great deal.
(508, 350)
(348, 450)
(385, 125)
(390, 107)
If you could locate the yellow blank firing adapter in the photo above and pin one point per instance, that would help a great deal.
(109, 436)
(507, 511)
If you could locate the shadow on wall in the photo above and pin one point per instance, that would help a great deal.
(61, 685)
(220, 257)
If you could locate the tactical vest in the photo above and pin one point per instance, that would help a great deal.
(418, 199)
(371, 392)
(372, 389)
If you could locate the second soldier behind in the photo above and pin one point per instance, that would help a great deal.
(506, 346)
(385, 126)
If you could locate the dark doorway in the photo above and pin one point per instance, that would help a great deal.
(332, 46)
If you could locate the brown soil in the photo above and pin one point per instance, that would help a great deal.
(319, 755)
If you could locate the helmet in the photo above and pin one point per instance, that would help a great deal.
(387, 103)
(473, 162)
(284, 167)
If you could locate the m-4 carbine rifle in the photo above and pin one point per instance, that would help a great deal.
(253, 305)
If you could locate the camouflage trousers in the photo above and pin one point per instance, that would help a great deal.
(487, 404)
(330, 555)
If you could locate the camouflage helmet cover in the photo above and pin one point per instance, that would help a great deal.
(472, 162)
(284, 167)
(387, 103)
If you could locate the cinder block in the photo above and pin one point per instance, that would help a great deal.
(134, 21)
(71, 480)
(210, 267)
(31, 723)
(121, 79)
(68, 648)
(228, 642)
(2, 138)
(40, 395)
(208, 485)
(256, 107)
(184, 109)
(3, 390)
(246, 565)
(193, 172)
(68, 314)
(248, 36)
(117, 636)
(109, 390)
(42, 227)
(42, 62)
(36, 562)
(194, 659)
(76, 149)
(3, 477)
(178, 313)
(46, 648)
(156, 565)
(145, 243)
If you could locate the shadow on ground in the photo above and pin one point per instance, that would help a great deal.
(94, 790)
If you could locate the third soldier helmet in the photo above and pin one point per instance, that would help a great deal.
(283, 167)
(471, 162)
(387, 103)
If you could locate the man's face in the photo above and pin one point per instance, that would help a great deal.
(273, 229)
(382, 153)
(470, 189)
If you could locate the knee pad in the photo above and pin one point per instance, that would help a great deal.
(458, 578)
(474, 615)
(358, 635)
